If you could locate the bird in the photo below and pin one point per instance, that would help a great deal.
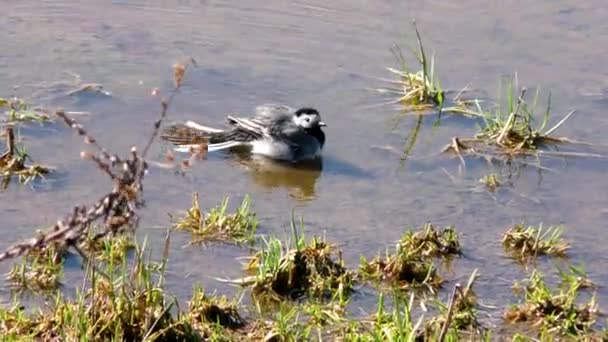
(276, 131)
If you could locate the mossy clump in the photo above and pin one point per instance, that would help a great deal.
(429, 242)
(239, 227)
(556, 310)
(402, 269)
(411, 264)
(523, 242)
(313, 267)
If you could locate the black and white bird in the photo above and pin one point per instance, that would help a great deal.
(276, 131)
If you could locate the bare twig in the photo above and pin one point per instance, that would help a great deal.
(117, 209)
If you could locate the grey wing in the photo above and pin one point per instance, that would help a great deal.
(271, 121)
(273, 111)
(288, 132)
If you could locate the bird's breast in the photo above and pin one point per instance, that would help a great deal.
(272, 149)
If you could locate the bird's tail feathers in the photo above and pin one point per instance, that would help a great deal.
(188, 133)
(201, 128)
(186, 148)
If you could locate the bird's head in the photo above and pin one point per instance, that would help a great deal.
(308, 118)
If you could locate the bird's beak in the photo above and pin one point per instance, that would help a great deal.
(322, 124)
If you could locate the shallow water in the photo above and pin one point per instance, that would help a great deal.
(324, 55)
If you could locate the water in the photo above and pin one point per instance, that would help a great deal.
(323, 55)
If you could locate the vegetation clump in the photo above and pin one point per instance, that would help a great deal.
(38, 272)
(555, 310)
(313, 267)
(13, 162)
(217, 225)
(402, 269)
(523, 242)
(429, 242)
(509, 129)
(411, 265)
(109, 249)
(459, 314)
(130, 306)
(491, 182)
(208, 313)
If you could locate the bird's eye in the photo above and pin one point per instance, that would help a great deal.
(307, 119)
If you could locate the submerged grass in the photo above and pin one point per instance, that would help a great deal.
(524, 243)
(556, 310)
(417, 89)
(19, 111)
(218, 225)
(491, 182)
(39, 272)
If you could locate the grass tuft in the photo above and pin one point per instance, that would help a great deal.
(418, 89)
(523, 242)
(511, 128)
(556, 310)
(429, 242)
(217, 225)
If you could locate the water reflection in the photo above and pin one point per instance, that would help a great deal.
(299, 179)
